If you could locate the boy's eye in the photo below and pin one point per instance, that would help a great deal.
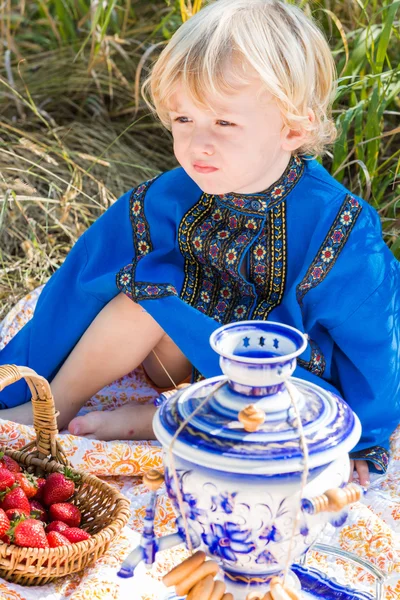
(225, 124)
(181, 120)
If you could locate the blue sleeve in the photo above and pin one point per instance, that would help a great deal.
(71, 299)
(366, 361)
(354, 302)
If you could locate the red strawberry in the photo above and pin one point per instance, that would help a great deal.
(75, 534)
(16, 513)
(65, 512)
(7, 479)
(16, 498)
(9, 463)
(56, 539)
(37, 511)
(57, 526)
(59, 487)
(40, 482)
(28, 483)
(4, 523)
(30, 534)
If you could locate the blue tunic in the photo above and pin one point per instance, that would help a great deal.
(305, 252)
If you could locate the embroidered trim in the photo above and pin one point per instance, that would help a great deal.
(146, 291)
(270, 253)
(140, 227)
(143, 290)
(331, 247)
(378, 455)
(196, 376)
(125, 278)
(317, 362)
(258, 203)
(213, 240)
(186, 226)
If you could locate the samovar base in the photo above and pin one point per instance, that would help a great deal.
(240, 585)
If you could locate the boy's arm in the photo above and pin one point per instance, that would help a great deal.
(366, 366)
(351, 291)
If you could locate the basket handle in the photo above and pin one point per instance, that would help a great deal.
(44, 412)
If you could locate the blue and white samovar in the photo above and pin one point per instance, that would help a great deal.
(235, 473)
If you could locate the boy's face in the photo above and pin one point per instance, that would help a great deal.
(238, 146)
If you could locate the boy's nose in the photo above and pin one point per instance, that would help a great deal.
(202, 144)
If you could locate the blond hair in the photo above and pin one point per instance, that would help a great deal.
(229, 41)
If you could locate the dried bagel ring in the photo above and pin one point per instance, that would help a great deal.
(180, 572)
(218, 591)
(279, 591)
(209, 567)
(202, 590)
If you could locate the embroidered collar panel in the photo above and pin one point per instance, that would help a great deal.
(257, 204)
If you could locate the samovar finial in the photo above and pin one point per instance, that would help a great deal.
(251, 417)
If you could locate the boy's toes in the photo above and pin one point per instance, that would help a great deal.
(129, 422)
(85, 426)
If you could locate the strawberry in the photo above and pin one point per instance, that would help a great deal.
(4, 523)
(75, 534)
(37, 511)
(16, 498)
(16, 513)
(7, 479)
(40, 482)
(57, 526)
(59, 487)
(67, 513)
(9, 463)
(28, 483)
(30, 533)
(56, 539)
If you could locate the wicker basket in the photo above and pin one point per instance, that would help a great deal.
(104, 510)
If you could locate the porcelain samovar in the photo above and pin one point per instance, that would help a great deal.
(235, 472)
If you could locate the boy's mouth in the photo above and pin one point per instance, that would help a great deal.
(204, 168)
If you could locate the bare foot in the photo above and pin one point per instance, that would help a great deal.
(129, 422)
(19, 414)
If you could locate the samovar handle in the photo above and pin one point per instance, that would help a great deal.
(333, 500)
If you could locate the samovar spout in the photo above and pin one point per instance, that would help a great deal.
(145, 550)
(149, 543)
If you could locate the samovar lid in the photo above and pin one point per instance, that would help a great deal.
(257, 392)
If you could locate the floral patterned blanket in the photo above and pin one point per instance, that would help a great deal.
(372, 530)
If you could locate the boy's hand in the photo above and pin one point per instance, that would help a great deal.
(360, 467)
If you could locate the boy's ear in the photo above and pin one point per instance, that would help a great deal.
(293, 139)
